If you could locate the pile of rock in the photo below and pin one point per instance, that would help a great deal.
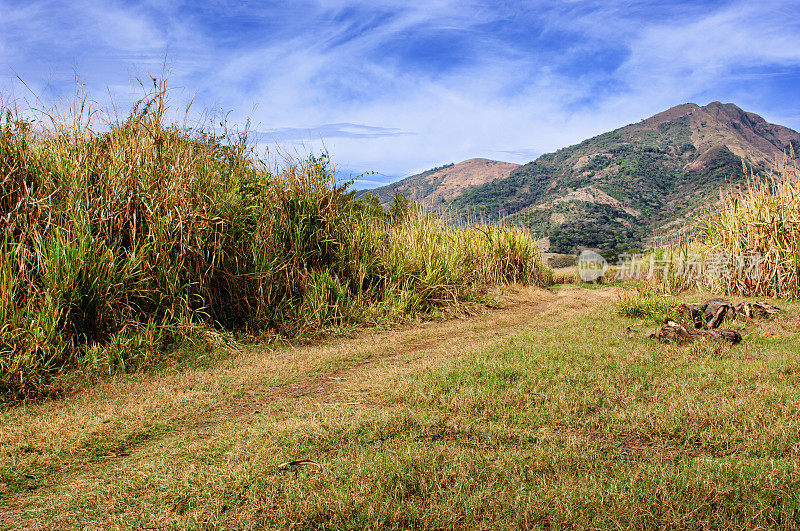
(703, 320)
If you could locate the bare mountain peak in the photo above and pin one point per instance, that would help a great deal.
(479, 160)
(436, 187)
(745, 133)
(728, 110)
(670, 115)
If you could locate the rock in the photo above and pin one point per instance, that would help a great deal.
(681, 333)
(707, 317)
(673, 333)
(756, 309)
(724, 334)
(718, 317)
(710, 313)
(715, 310)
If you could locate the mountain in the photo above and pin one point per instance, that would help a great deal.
(436, 187)
(622, 189)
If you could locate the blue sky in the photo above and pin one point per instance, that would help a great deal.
(396, 87)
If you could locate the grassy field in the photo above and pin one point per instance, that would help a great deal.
(550, 411)
(192, 336)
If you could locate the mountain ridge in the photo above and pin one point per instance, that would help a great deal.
(621, 189)
(438, 186)
(616, 191)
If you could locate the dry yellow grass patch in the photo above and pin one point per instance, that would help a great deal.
(524, 416)
(55, 440)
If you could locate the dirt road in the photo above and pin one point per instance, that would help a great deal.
(66, 444)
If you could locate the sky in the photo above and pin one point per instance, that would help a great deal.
(389, 87)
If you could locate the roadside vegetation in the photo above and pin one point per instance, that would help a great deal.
(117, 246)
(763, 221)
(747, 244)
(646, 303)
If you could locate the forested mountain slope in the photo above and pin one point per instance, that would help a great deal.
(620, 189)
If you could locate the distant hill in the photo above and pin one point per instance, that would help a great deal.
(620, 189)
(436, 187)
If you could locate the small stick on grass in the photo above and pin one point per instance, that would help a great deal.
(299, 462)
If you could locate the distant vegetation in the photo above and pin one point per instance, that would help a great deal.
(116, 246)
(437, 168)
(643, 177)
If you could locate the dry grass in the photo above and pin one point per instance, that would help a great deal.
(763, 221)
(117, 248)
(748, 245)
(53, 439)
(544, 414)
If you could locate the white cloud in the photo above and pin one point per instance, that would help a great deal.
(691, 57)
(313, 71)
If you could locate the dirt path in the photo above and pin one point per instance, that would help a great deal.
(401, 349)
(389, 354)
(349, 372)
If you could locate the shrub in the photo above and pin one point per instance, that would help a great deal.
(645, 304)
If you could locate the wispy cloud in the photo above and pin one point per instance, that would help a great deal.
(326, 131)
(399, 87)
(525, 154)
